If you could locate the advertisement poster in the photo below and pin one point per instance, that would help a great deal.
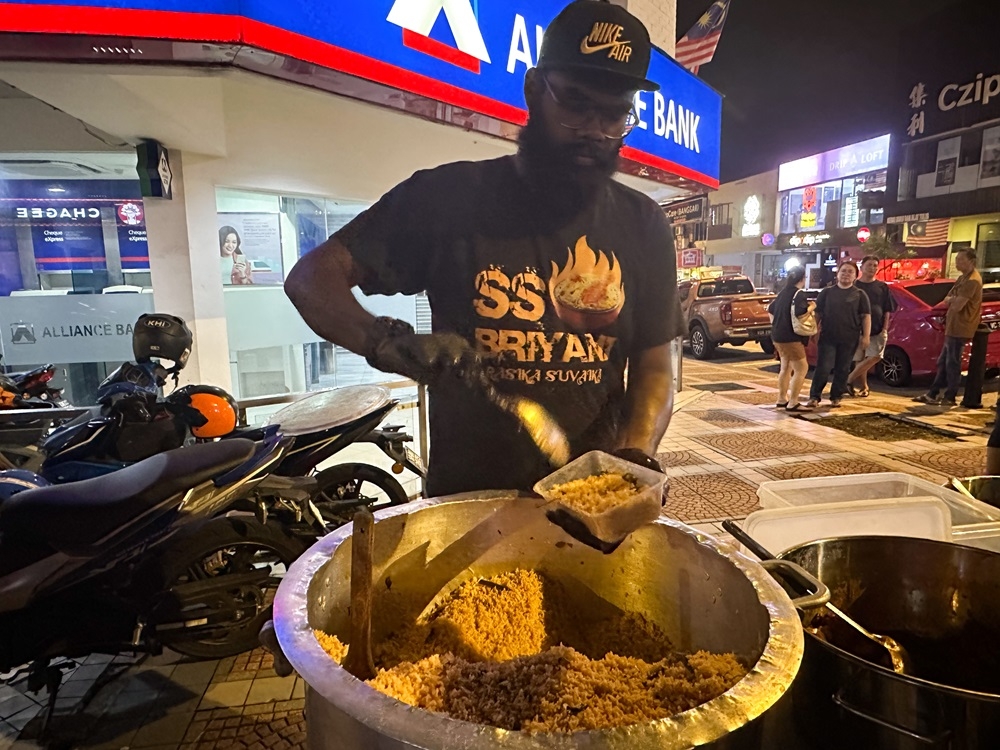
(989, 166)
(947, 162)
(250, 249)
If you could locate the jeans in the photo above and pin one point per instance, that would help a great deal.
(836, 357)
(949, 367)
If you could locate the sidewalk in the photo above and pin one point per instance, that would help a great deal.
(726, 437)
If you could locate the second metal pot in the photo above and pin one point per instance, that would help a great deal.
(942, 598)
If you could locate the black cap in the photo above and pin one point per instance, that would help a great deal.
(596, 36)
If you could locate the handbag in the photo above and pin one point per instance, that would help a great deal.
(804, 325)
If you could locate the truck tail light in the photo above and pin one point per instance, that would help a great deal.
(726, 312)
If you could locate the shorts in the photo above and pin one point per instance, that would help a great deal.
(794, 351)
(876, 347)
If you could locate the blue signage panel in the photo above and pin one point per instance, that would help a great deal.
(472, 53)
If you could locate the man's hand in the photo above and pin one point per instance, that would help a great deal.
(423, 357)
(639, 458)
(865, 341)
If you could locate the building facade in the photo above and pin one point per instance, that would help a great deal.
(945, 173)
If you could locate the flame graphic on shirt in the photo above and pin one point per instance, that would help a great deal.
(587, 293)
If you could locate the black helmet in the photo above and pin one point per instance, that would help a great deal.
(163, 337)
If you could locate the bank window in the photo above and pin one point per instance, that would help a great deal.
(720, 215)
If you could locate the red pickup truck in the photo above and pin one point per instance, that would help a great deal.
(725, 310)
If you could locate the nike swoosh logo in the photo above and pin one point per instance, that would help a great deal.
(586, 49)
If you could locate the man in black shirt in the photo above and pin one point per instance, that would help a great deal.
(882, 306)
(844, 323)
(540, 268)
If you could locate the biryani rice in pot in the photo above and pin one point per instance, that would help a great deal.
(490, 622)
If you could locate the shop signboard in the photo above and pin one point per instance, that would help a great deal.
(829, 238)
(70, 328)
(690, 258)
(858, 158)
(685, 211)
(463, 52)
(960, 86)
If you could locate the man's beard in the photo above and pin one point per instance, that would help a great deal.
(554, 166)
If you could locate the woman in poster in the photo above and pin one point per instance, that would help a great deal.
(229, 247)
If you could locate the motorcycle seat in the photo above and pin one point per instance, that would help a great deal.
(79, 514)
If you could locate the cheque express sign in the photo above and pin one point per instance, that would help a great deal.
(471, 53)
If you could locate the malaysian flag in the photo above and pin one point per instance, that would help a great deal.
(931, 233)
(697, 47)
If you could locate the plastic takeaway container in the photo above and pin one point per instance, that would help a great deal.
(791, 493)
(619, 521)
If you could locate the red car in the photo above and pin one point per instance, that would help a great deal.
(916, 332)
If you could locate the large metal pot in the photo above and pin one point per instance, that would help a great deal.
(701, 592)
(942, 602)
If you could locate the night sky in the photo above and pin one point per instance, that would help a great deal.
(799, 78)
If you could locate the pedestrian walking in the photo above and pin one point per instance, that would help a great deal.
(790, 346)
(964, 303)
(844, 320)
(882, 306)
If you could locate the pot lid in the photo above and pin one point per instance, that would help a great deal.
(327, 409)
(780, 529)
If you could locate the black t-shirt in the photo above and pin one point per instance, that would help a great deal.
(840, 312)
(781, 308)
(560, 297)
(881, 301)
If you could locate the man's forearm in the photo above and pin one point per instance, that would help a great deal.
(866, 326)
(320, 286)
(885, 322)
(649, 400)
(957, 303)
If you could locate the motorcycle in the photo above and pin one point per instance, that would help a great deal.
(133, 423)
(34, 387)
(141, 559)
(320, 426)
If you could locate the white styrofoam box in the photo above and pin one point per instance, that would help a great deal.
(780, 529)
(883, 486)
(617, 522)
(984, 536)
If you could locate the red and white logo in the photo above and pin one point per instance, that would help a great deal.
(417, 18)
(130, 214)
(864, 234)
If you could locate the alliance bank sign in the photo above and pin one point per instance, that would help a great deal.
(469, 53)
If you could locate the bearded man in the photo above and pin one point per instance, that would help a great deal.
(544, 275)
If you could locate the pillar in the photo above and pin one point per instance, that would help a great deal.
(184, 262)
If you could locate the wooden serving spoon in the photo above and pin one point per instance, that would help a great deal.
(359, 652)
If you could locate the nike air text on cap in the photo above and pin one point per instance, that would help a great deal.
(592, 35)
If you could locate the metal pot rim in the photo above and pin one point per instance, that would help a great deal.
(766, 682)
(916, 681)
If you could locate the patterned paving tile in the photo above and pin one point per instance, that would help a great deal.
(750, 446)
(270, 726)
(710, 497)
(755, 398)
(717, 387)
(957, 462)
(245, 666)
(824, 469)
(668, 459)
(720, 418)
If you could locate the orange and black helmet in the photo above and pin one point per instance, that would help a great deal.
(211, 411)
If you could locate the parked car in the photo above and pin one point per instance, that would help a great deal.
(726, 310)
(916, 331)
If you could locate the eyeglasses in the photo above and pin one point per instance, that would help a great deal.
(615, 122)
